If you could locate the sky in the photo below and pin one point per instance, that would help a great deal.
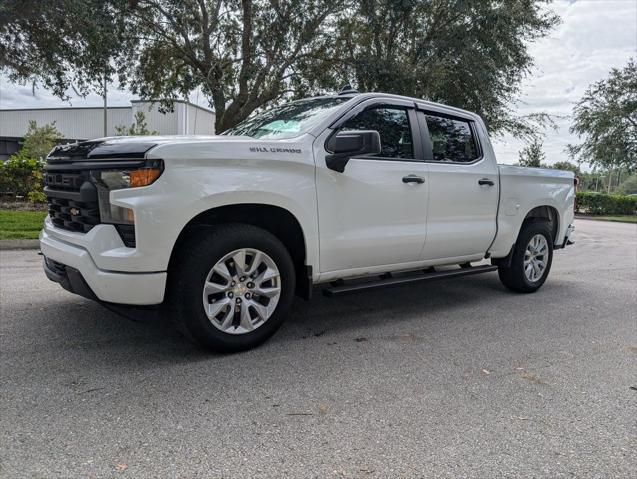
(594, 36)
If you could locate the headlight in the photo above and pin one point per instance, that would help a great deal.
(118, 179)
(111, 180)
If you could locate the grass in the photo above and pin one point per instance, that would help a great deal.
(618, 218)
(16, 224)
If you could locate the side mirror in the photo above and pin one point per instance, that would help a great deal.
(347, 144)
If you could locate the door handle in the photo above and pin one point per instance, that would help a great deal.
(413, 179)
(486, 181)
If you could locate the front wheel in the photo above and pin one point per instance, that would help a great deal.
(531, 261)
(231, 287)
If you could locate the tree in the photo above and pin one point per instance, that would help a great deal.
(65, 45)
(606, 119)
(532, 155)
(246, 54)
(467, 54)
(39, 140)
(241, 54)
(138, 127)
(628, 186)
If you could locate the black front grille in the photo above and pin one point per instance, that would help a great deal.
(66, 181)
(72, 200)
(74, 215)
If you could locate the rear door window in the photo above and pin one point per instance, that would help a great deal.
(451, 139)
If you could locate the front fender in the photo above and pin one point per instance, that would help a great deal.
(187, 189)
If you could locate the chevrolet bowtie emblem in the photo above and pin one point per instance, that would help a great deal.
(74, 211)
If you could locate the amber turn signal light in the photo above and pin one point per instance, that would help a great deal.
(143, 177)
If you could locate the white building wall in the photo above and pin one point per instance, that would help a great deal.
(88, 123)
(200, 120)
(73, 123)
(162, 123)
(185, 119)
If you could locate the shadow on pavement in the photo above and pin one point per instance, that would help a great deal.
(149, 336)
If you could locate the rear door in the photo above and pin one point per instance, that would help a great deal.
(463, 186)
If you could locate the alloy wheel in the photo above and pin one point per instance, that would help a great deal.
(535, 258)
(241, 291)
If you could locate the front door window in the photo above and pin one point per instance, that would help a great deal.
(393, 126)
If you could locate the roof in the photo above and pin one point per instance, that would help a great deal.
(420, 101)
(67, 108)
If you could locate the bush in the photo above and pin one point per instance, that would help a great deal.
(20, 175)
(591, 203)
(36, 196)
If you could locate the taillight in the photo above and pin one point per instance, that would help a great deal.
(575, 183)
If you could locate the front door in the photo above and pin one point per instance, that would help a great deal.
(375, 212)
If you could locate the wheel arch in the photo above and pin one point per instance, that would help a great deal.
(545, 213)
(275, 219)
(540, 213)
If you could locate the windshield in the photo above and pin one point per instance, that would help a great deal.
(289, 120)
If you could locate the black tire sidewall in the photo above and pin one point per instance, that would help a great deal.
(514, 277)
(527, 233)
(197, 258)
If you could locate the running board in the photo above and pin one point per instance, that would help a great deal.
(339, 288)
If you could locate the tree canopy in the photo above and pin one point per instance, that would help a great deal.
(606, 120)
(245, 54)
(469, 54)
(65, 44)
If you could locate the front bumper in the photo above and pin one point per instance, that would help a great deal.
(73, 267)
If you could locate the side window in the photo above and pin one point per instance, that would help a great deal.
(393, 126)
(451, 139)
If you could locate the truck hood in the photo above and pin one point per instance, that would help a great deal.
(139, 147)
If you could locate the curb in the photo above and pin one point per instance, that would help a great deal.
(19, 244)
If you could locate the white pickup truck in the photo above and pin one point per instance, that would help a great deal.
(352, 191)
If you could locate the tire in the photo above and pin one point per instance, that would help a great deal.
(200, 261)
(515, 276)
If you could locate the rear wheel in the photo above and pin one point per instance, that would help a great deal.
(231, 287)
(531, 261)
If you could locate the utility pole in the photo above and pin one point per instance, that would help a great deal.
(105, 108)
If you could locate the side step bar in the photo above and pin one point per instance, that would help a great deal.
(340, 287)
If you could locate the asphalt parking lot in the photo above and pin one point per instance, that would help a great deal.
(458, 378)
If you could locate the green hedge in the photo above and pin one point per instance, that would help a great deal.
(590, 203)
(21, 176)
